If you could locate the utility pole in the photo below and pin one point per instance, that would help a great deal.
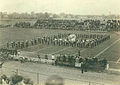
(1, 71)
(37, 78)
(16, 71)
(79, 54)
(89, 83)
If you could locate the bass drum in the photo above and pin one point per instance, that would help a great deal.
(72, 38)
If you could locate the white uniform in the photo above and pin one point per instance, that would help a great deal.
(53, 57)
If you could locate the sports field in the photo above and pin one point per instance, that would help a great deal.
(109, 49)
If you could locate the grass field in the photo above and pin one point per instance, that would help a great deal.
(109, 49)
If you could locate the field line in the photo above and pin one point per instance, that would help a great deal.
(112, 69)
(60, 50)
(43, 48)
(80, 51)
(107, 48)
(118, 61)
(113, 62)
(83, 50)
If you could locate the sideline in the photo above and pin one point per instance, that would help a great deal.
(44, 48)
(60, 50)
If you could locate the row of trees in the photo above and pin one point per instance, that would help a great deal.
(34, 15)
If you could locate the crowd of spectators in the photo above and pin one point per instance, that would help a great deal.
(78, 24)
(104, 25)
(5, 26)
(23, 24)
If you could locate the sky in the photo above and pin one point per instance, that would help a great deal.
(81, 7)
